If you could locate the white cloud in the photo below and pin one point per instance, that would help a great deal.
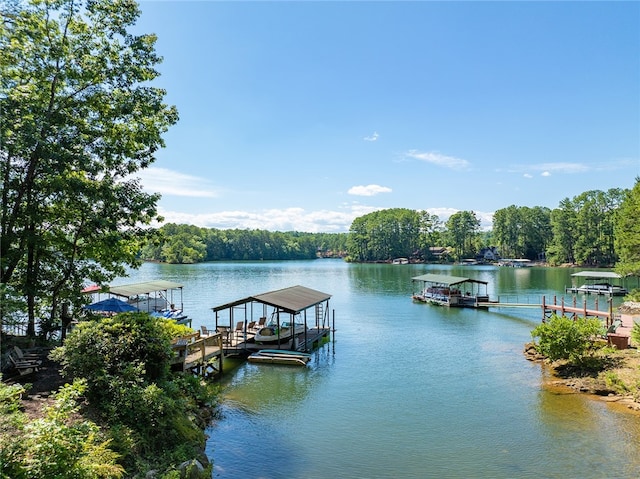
(527, 175)
(545, 173)
(297, 219)
(561, 167)
(169, 182)
(486, 219)
(287, 219)
(373, 137)
(439, 159)
(369, 190)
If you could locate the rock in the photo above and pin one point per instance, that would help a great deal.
(203, 459)
(629, 307)
(191, 469)
(531, 353)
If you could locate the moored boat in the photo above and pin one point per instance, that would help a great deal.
(272, 334)
(597, 282)
(444, 290)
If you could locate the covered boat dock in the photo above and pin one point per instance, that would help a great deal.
(240, 320)
(150, 295)
(159, 298)
(597, 282)
(455, 291)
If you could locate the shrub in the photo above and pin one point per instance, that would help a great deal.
(54, 445)
(564, 338)
(613, 381)
(153, 416)
(635, 333)
(634, 295)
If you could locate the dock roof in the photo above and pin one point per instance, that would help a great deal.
(446, 279)
(291, 300)
(597, 274)
(147, 287)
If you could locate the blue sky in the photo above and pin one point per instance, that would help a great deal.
(304, 115)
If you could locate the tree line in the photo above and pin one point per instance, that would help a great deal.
(594, 228)
(175, 243)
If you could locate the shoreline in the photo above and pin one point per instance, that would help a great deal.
(595, 388)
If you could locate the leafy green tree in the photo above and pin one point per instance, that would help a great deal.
(563, 224)
(506, 231)
(386, 234)
(462, 229)
(430, 232)
(522, 232)
(595, 211)
(76, 120)
(583, 228)
(627, 232)
(565, 338)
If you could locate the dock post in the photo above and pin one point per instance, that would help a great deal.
(220, 345)
(333, 326)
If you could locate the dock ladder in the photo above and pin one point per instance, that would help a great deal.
(319, 314)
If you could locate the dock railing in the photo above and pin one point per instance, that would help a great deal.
(198, 353)
(556, 305)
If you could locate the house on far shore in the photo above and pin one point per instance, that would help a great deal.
(489, 253)
(438, 252)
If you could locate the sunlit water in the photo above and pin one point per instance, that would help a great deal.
(405, 390)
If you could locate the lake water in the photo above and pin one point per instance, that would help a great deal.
(406, 390)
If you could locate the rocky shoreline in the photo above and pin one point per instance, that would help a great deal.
(596, 386)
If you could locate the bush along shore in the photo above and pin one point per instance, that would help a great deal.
(120, 413)
(582, 359)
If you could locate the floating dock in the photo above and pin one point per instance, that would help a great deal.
(454, 291)
(238, 322)
(597, 282)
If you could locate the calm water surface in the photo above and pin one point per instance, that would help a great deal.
(405, 390)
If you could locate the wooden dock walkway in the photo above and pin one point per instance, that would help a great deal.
(572, 309)
(202, 355)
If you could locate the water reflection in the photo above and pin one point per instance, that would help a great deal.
(574, 420)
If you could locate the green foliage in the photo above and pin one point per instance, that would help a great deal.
(131, 346)
(462, 230)
(191, 244)
(564, 338)
(77, 118)
(613, 381)
(392, 233)
(583, 228)
(12, 449)
(154, 417)
(627, 232)
(522, 232)
(56, 445)
(635, 333)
